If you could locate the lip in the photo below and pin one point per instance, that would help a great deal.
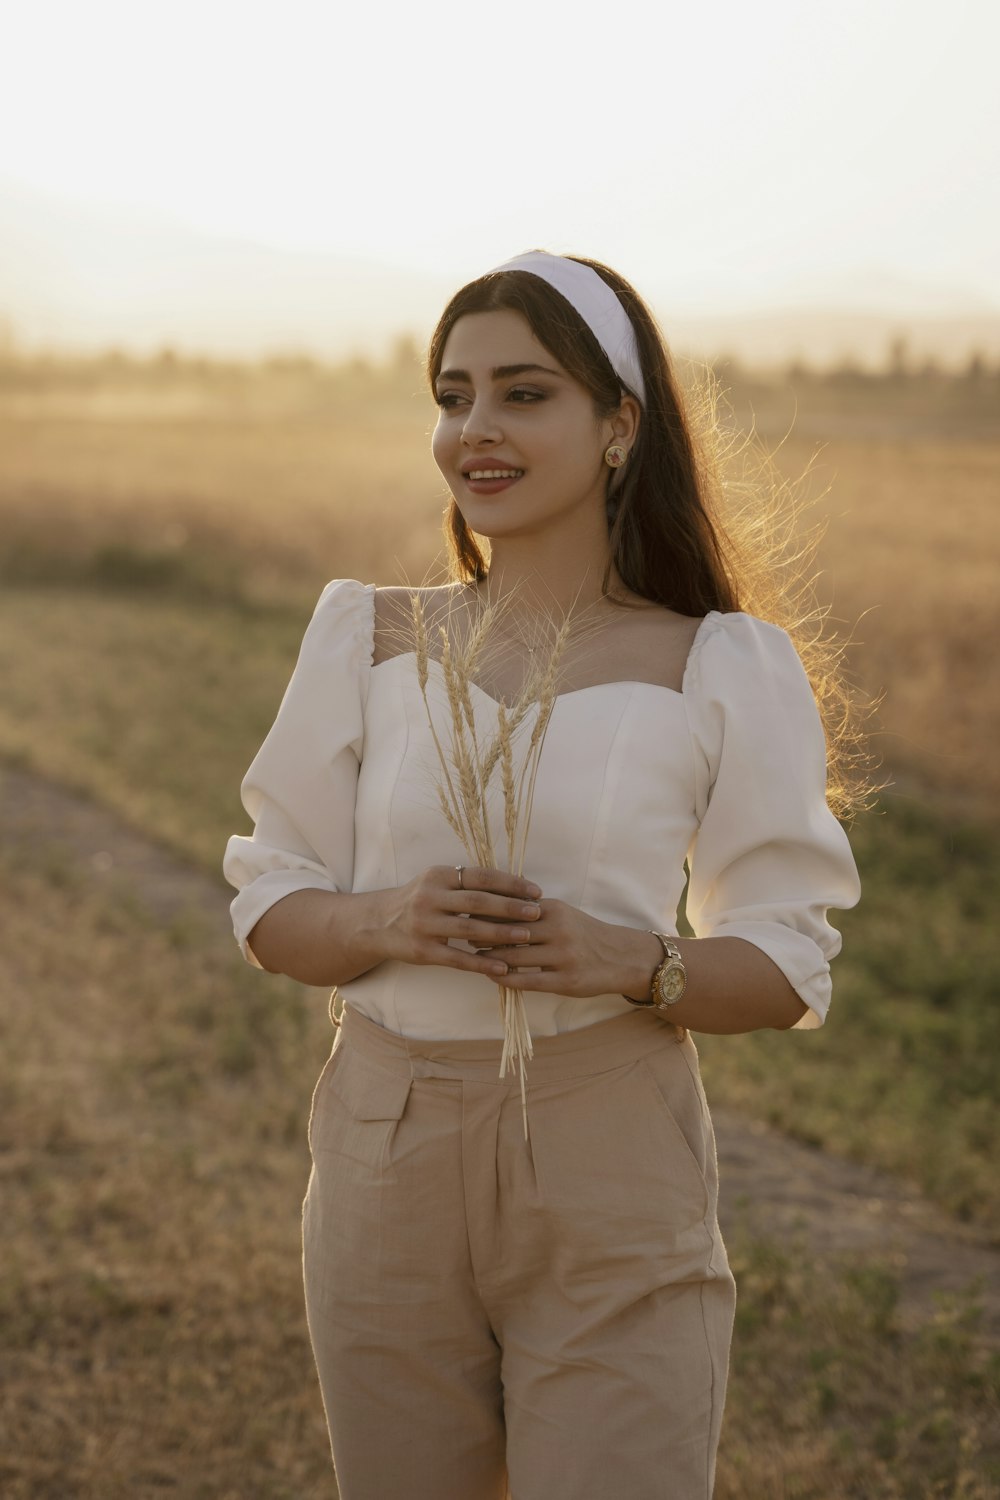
(490, 486)
(483, 463)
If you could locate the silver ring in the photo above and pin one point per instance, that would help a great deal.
(461, 883)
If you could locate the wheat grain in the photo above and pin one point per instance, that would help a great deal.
(450, 817)
(420, 639)
(465, 753)
(505, 754)
(466, 663)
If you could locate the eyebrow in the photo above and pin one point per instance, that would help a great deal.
(499, 372)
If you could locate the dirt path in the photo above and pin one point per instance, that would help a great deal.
(775, 1186)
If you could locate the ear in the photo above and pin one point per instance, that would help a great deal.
(624, 424)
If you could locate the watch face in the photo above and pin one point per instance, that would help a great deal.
(670, 985)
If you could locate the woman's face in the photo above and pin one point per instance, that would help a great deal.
(536, 420)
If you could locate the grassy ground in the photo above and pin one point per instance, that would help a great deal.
(156, 707)
(159, 563)
(830, 1400)
(903, 1074)
(261, 509)
(154, 1162)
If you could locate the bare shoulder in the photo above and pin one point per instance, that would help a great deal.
(394, 614)
(656, 641)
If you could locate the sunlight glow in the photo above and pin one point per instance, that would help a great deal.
(701, 146)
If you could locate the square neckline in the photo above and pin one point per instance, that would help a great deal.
(631, 682)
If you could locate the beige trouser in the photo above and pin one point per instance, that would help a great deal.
(551, 1314)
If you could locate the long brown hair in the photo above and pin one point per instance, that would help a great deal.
(697, 520)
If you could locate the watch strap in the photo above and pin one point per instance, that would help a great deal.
(671, 954)
(671, 960)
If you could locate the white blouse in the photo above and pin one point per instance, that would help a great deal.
(730, 773)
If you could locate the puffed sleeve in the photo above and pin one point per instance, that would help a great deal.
(300, 789)
(769, 857)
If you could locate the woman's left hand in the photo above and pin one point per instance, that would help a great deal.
(572, 953)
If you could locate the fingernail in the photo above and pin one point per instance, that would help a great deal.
(530, 910)
(534, 891)
(498, 968)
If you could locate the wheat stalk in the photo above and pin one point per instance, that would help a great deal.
(467, 770)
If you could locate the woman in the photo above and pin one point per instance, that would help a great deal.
(551, 1313)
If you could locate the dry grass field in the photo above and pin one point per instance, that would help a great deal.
(163, 537)
(154, 1159)
(259, 491)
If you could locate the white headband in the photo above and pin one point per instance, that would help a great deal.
(597, 304)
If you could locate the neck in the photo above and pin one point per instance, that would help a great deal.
(551, 574)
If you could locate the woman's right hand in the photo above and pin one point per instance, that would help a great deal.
(488, 907)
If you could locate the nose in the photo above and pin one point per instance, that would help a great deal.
(481, 425)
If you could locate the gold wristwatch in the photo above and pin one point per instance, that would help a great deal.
(670, 978)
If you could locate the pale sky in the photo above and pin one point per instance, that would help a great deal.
(722, 149)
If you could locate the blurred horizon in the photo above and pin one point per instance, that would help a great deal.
(308, 181)
(83, 278)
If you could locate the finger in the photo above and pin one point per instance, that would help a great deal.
(539, 953)
(494, 935)
(518, 968)
(490, 908)
(529, 958)
(499, 882)
(536, 979)
(469, 963)
(519, 962)
(512, 956)
(486, 934)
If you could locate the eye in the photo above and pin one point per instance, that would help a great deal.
(520, 396)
